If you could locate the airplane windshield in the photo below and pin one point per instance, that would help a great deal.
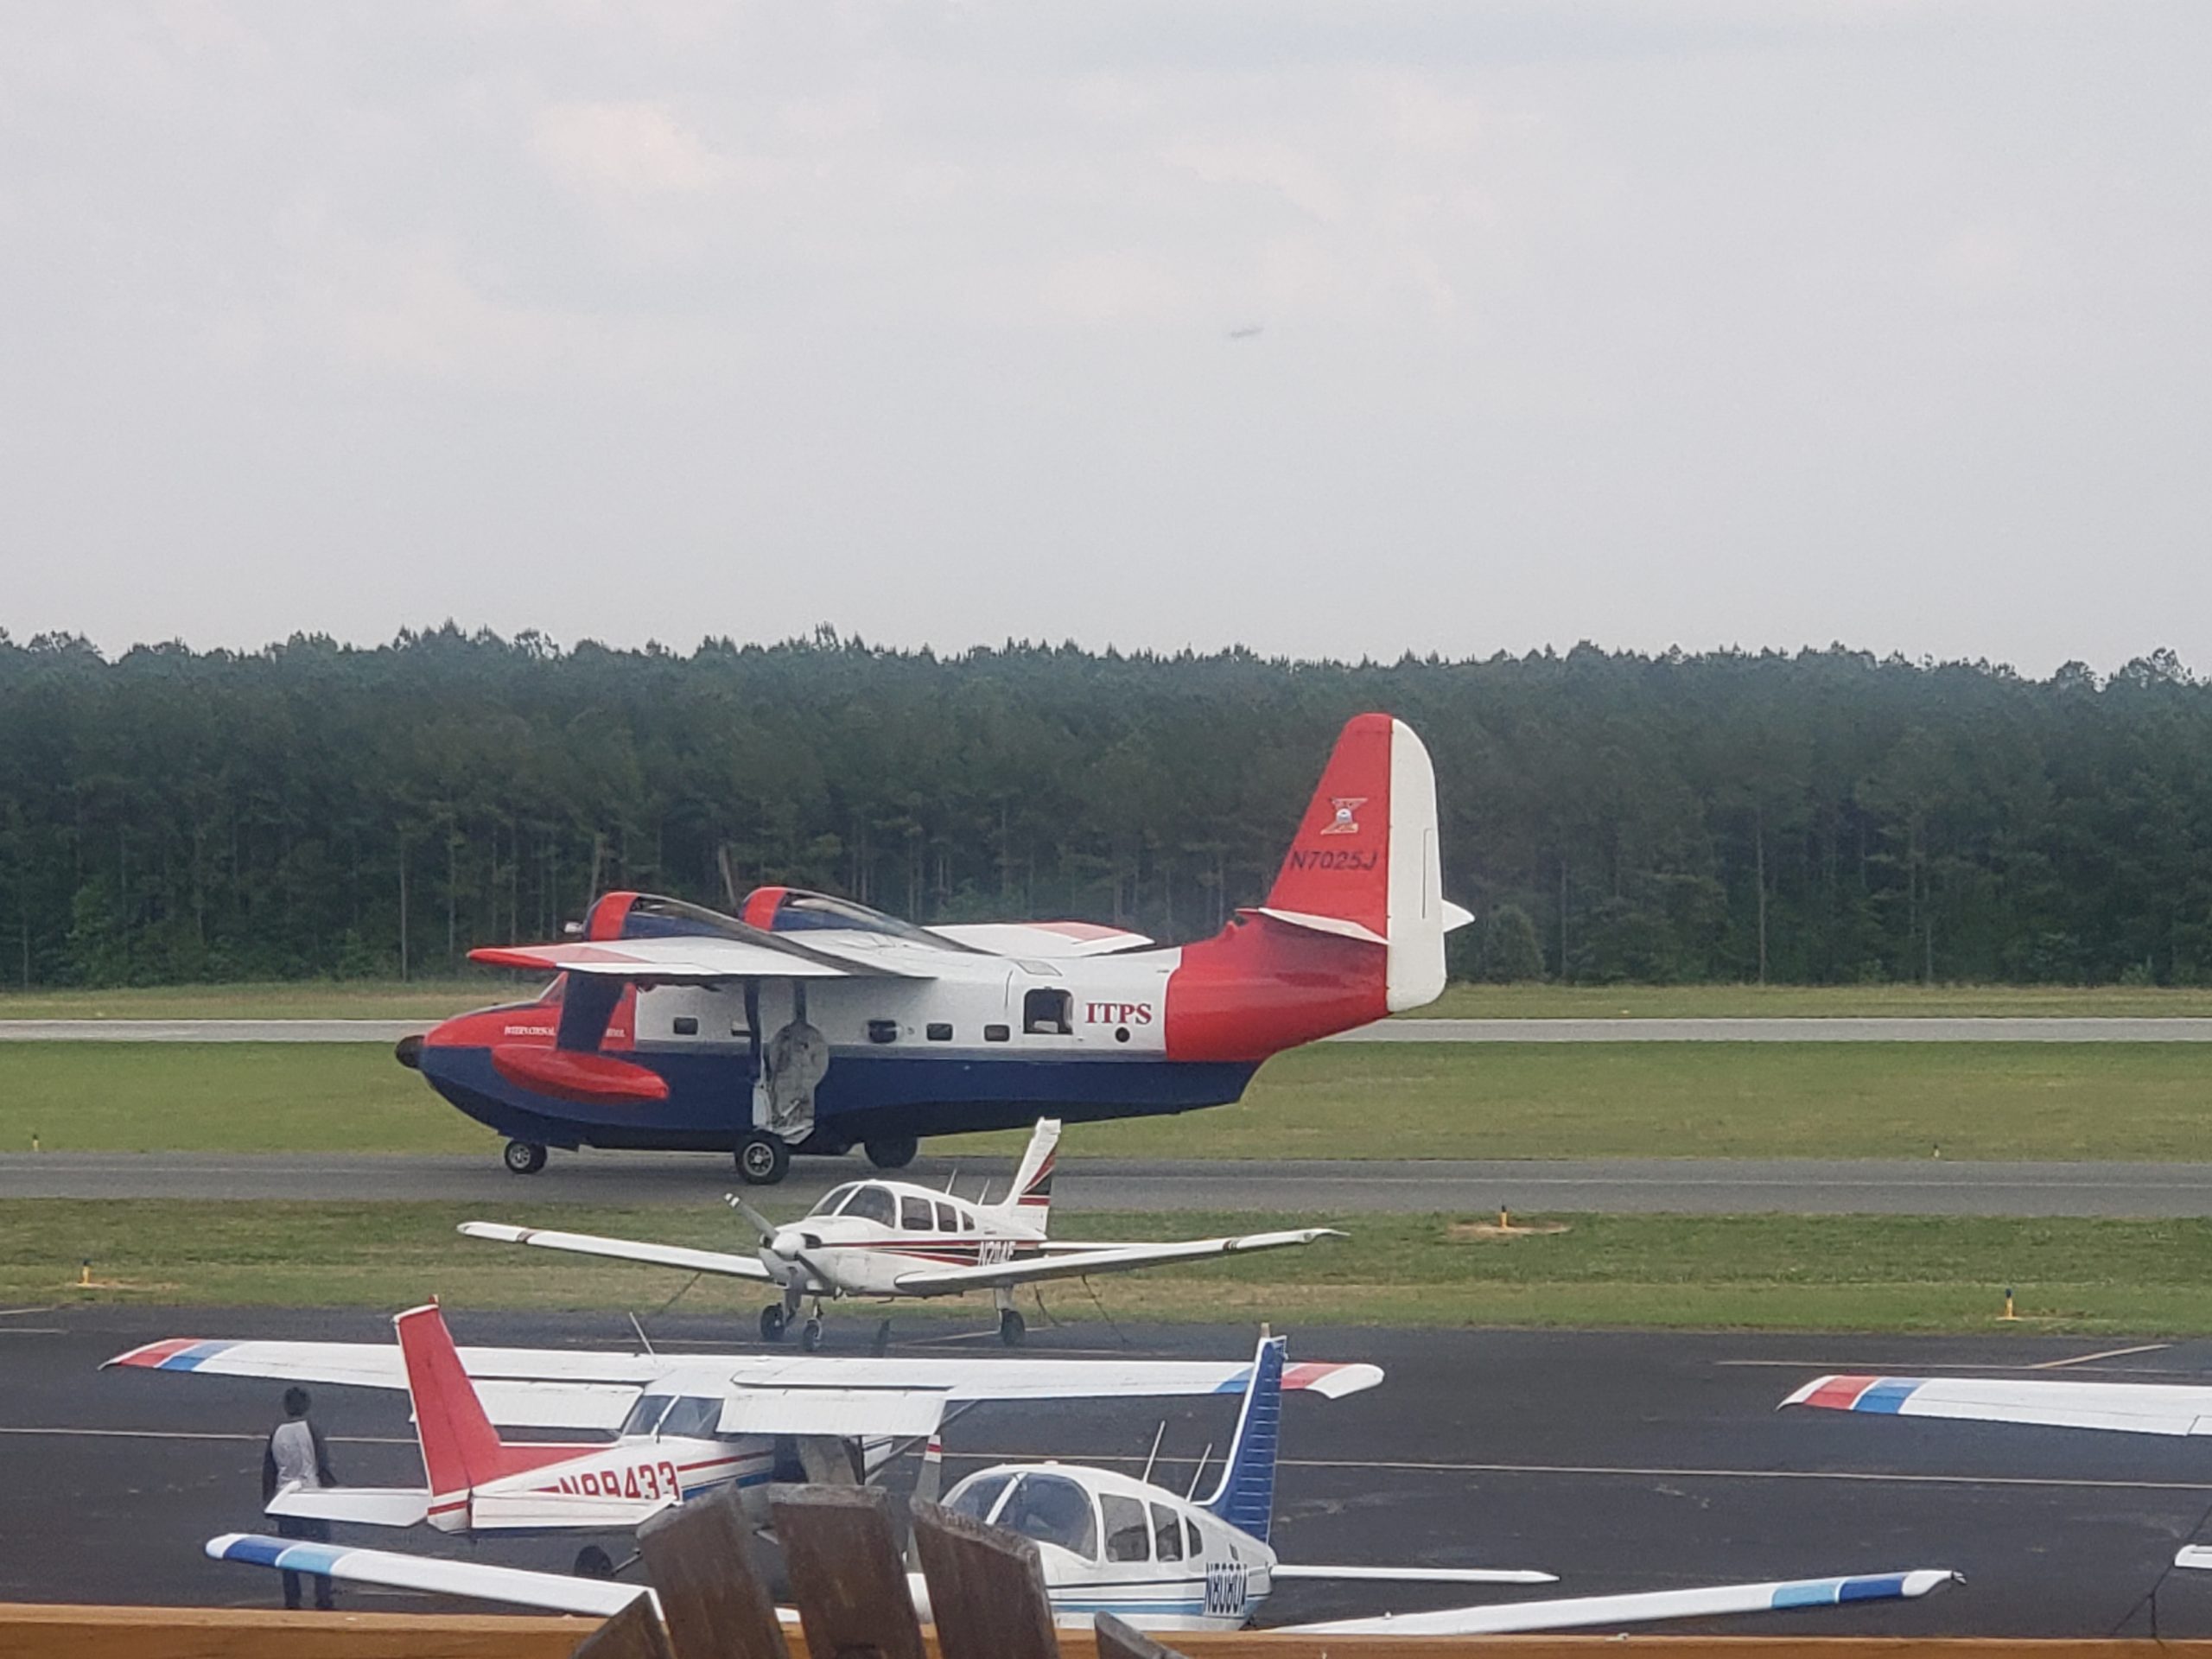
(1053, 1509)
(974, 1499)
(872, 1204)
(646, 1415)
(832, 1199)
(695, 1415)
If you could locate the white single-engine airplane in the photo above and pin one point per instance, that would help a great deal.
(684, 1425)
(1111, 1543)
(892, 1239)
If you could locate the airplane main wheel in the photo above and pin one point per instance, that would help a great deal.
(522, 1157)
(809, 1335)
(1012, 1328)
(771, 1323)
(593, 1562)
(762, 1159)
(893, 1152)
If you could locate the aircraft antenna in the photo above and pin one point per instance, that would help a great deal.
(645, 1341)
(1151, 1456)
(1191, 1496)
(951, 1178)
(984, 1200)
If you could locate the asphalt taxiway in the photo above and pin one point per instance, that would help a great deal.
(1673, 1186)
(1619, 1461)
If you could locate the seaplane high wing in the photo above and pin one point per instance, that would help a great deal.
(896, 1239)
(2119, 1408)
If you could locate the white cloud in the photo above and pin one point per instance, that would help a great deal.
(635, 148)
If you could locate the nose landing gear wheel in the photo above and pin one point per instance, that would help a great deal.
(771, 1323)
(893, 1152)
(522, 1157)
(809, 1335)
(593, 1562)
(762, 1159)
(1012, 1328)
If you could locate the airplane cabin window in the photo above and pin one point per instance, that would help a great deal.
(873, 1203)
(975, 1500)
(1191, 1541)
(914, 1215)
(832, 1199)
(1047, 1013)
(646, 1415)
(995, 1033)
(939, 1031)
(694, 1415)
(1167, 1536)
(946, 1221)
(967, 1222)
(1126, 1533)
(1053, 1510)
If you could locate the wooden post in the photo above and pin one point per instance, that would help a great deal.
(699, 1560)
(987, 1587)
(1120, 1641)
(854, 1601)
(634, 1633)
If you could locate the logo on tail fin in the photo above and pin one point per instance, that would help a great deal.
(1343, 823)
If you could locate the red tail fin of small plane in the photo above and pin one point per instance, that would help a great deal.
(462, 1449)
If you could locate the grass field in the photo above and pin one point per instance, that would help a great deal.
(435, 999)
(1769, 1273)
(2022, 1101)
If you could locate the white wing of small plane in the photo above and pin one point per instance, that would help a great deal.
(1054, 941)
(560, 1388)
(371, 1506)
(621, 1249)
(693, 959)
(1072, 1261)
(1282, 1570)
(2121, 1408)
(555, 1592)
(1582, 1612)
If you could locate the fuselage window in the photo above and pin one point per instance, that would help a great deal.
(914, 1215)
(1167, 1536)
(1191, 1539)
(695, 1416)
(646, 1415)
(1053, 1510)
(974, 1501)
(939, 1031)
(967, 1222)
(832, 1199)
(947, 1222)
(1125, 1528)
(1048, 1013)
(872, 1204)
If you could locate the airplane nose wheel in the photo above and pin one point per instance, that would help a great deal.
(772, 1322)
(762, 1159)
(522, 1157)
(809, 1335)
(1012, 1327)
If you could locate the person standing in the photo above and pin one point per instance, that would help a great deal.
(296, 1458)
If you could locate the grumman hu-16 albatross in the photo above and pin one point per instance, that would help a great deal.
(685, 1425)
(812, 1024)
(892, 1239)
(1161, 1560)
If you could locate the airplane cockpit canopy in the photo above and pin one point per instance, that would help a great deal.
(1049, 1508)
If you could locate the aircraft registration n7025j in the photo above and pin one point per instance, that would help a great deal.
(891, 1239)
(808, 1023)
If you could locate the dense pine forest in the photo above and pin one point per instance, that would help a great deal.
(315, 809)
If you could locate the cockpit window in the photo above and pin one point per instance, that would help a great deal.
(645, 1416)
(1127, 1535)
(872, 1204)
(974, 1499)
(1053, 1509)
(832, 1199)
(694, 1415)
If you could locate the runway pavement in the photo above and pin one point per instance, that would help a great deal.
(1619, 1461)
(1971, 1030)
(1698, 1185)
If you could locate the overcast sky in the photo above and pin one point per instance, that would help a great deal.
(1329, 327)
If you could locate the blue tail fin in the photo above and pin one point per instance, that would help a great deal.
(1246, 1497)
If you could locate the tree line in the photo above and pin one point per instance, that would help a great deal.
(315, 809)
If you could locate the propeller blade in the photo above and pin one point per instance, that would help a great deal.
(764, 1228)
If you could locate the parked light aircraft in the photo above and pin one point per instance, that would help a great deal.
(892, 1239)
(813, 1024)
(1111, 1543)
(684, 1425)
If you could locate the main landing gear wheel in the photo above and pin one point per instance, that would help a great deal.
(522, 1157)
(773, 1322)
(809, 1335)
(593, 1562)
(762, 1159)
(893, 1152)
(1012, 1327)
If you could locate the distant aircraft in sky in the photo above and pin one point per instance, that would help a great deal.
(808, 1023)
